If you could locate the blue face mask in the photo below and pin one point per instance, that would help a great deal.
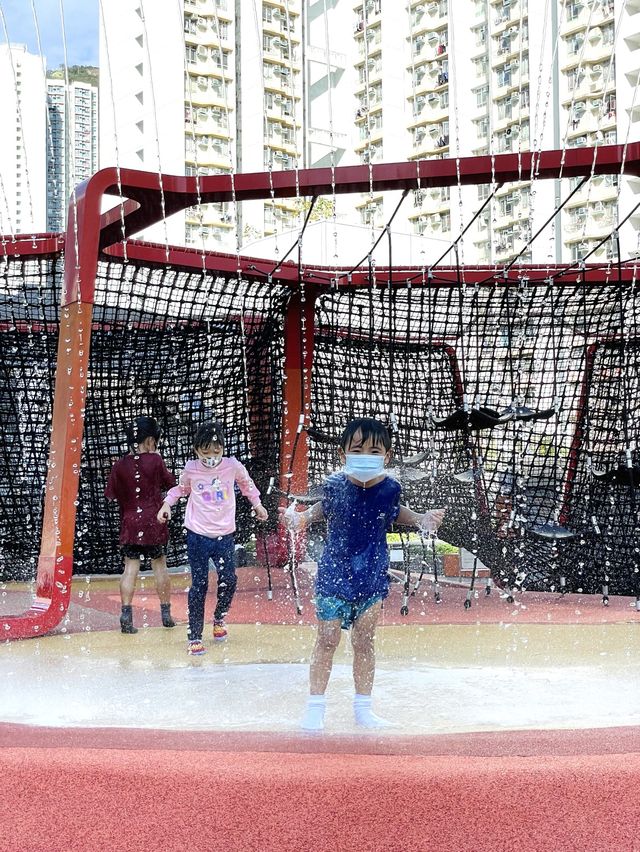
(364, 467)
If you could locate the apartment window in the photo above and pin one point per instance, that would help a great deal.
(481, 66)
(482, 96)
(575, 78)
(503, 75)
(481, 36)
(574, 43)
(578, 250)
(505, 108)
(482, 128)
(508, 204)
(220, 59)
(573, 8)
(608, 34)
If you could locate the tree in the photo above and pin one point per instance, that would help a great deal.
(77, 74)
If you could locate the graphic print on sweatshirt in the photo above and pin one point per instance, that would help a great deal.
(214, 492)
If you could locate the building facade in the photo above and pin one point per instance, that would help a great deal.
(270, 85)
(72, 144)
(22, 142)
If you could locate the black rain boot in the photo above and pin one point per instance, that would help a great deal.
(167, 621)
(126, 620)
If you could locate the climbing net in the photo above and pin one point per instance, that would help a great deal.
(177, 344)
(513, 400)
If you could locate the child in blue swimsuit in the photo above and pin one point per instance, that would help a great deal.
(360, 504)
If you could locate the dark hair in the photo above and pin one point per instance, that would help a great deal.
(368, 428)
(141, 429)
(211, 432)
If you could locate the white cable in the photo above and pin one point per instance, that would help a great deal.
(115, 135)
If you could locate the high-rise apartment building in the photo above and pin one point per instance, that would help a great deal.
(48, 142)
(210, 86)
(22, 141)
(72, 144)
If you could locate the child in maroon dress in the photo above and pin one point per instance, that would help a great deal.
(137, 481)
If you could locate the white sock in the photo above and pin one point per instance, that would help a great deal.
(365, 717)
(313, 719)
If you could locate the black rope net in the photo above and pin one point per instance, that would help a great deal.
(179, 345)
(534, 474)
(519, 400)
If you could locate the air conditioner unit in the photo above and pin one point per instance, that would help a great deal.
(596, 69)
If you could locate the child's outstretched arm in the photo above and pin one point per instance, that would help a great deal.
(250, 490)
(425, 521)
(296, 521)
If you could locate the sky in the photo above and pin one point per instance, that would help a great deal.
(80, 23)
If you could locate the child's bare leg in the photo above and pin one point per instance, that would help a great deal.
(127, 588)
(163, 581)
(128, 580)
(363, 634)
(327, 640)
(163, 587)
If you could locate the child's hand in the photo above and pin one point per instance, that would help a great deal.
(430, 521)
(261, 512)
(290, 518)
(164, 514)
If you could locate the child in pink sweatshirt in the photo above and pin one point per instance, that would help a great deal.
(210, 519)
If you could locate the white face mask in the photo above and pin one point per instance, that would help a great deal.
(211, 461)
(363, 466)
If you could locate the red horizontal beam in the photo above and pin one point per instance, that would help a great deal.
(151, 196)
(322, 276)
(33, 244)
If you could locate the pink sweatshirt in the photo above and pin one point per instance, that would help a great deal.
(211, 508)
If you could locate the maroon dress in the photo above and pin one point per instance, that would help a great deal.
(139, 508)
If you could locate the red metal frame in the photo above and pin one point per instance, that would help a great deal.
(149, 197)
